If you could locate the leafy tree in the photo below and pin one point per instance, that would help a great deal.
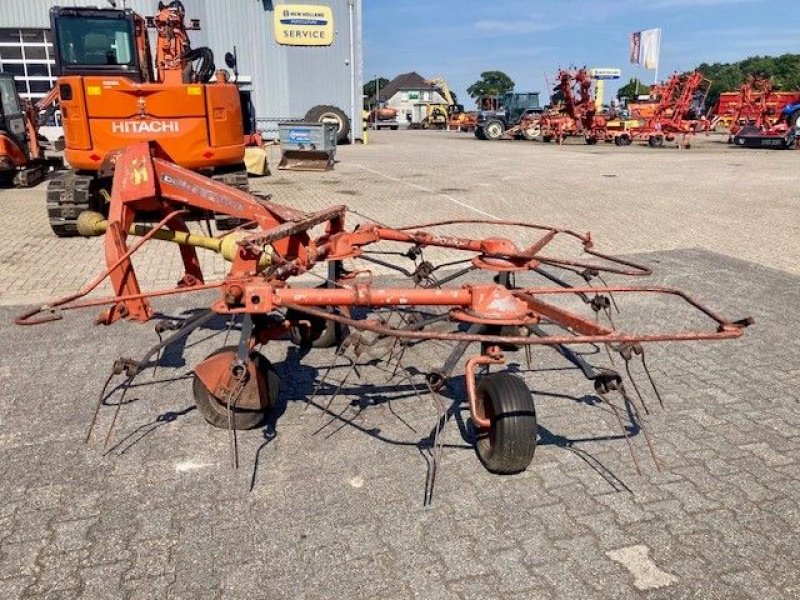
(491, 83)
(634, 87)
(728, 77)
(370, 88)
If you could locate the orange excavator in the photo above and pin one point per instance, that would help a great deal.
(22, 160)
(112, 95)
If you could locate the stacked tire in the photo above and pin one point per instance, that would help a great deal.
(326, 113)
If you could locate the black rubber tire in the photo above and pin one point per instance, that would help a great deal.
(494, 130)
(236, 177)
(591, 141)
(655, 141)
(394, 127)
(479, 133)
(509, 444)
(216, 413)
(324, 112)
(322, 334)
(623, 140)
(547, 139)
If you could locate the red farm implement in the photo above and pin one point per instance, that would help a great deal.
(577, 114)
(760, 116)
(492, 307)
(676, 115)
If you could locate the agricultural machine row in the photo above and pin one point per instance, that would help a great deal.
(498, 296)
(758, 115)
(673, 116)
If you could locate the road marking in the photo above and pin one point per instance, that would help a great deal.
(646, 575)
(430, 191)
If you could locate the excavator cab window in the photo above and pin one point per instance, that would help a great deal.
(9, 101)
(94, 41)
(12, 118)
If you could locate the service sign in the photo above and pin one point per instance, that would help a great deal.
(605, 73)
(303, 25)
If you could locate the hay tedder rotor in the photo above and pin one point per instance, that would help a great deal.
(490, 310)
(578, 116)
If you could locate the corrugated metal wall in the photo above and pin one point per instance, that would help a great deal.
(285, 80)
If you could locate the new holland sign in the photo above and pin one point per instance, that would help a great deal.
(303, 25)
(605, 73)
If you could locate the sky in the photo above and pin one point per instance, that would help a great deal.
(531, 39)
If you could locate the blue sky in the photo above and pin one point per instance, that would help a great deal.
(527, 39)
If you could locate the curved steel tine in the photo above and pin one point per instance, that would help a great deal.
(97, 407)
(640, 421)
(615, 410)
(126, 387)
(652, 381)
(635, 387)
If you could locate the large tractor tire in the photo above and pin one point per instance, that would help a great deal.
(235, 177)
(494, 130)
(532, 132)
(68, 195)
(331, 114)
(479, 133)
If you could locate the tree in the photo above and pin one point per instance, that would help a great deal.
(633, 88)
(491, 83)
(728, 77)
(371, 87)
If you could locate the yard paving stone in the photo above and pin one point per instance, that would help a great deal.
(335, 508)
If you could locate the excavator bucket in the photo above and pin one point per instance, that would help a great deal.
(304, 160)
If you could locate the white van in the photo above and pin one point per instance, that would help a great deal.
(51, 132)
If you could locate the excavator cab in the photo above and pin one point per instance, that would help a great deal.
(20, 155)
(97, 42)
(12, 117)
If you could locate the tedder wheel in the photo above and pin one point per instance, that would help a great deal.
(547, 139)
(480, 133)
(325, 113)
(656, 141)
(508, 445)
(321, 334)
(494, 130)
(215, 410)
(623, 140)
(591, 140)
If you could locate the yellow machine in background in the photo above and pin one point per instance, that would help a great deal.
(456, 116)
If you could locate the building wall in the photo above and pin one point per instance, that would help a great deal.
(285, 80)
(413, 102)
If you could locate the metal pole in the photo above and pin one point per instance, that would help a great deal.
(658, 54)
(352, 73)
(377, 102)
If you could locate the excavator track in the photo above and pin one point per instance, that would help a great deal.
(68, 195)
(235, 178)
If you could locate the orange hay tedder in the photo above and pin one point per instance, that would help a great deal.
(496, 306)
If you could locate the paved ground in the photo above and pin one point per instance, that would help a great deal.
(328, 502)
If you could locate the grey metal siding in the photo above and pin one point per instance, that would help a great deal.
(285, 80)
